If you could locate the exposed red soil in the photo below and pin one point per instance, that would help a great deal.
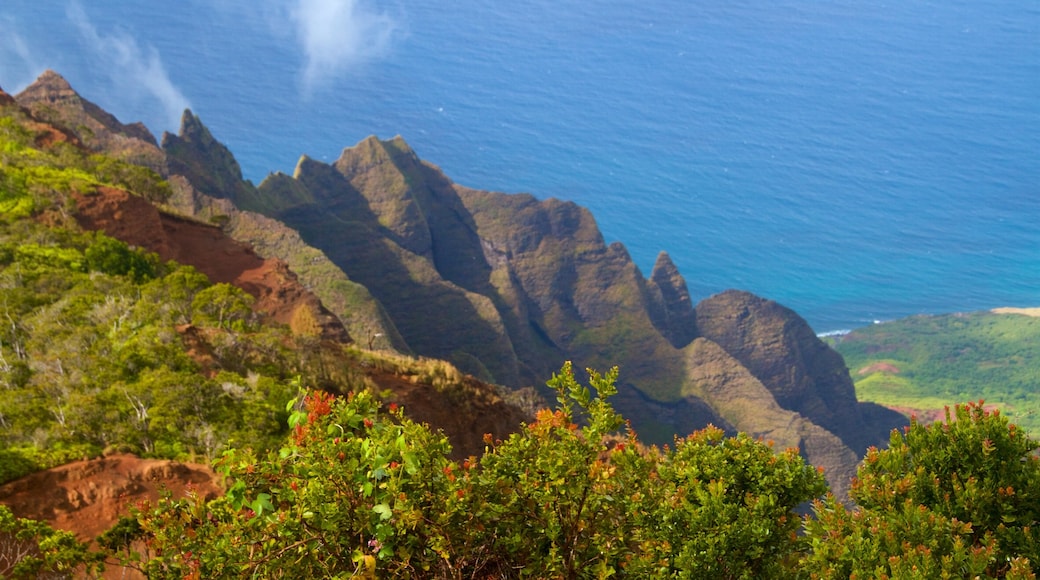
(135, 221)
(463, 421)
(88, 497)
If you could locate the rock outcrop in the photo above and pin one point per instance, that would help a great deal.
(50, 98)
(671, 308)
(206, 163)
(802, 373)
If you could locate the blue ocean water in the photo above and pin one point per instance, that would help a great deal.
(855, 160)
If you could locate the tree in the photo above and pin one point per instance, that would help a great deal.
(115, 258)
(728, 507)
(32, 549)
(224, 305)
(556, 499)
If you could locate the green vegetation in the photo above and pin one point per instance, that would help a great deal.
(103, 346)
(31, 549)
(956, 499)
(91, 356)
(358, 490)
(927, 362)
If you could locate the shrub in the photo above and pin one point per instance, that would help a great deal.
(959, 498)
(357, 491)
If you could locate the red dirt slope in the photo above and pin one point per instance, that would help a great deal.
(88, 497)
(133, 220)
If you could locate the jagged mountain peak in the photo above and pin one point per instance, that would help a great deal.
(673, 313)
(52, 81)
(52, 94)
(207, 163)
(373, 149)
(397, 187)
(193, 129)
(664, 267)
(306, 164)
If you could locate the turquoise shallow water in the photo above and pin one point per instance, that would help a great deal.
(854, 160)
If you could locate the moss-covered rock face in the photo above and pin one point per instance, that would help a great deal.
(389, 178)
(435, 316)
(741, 398)
(586, 298)
(800, 370)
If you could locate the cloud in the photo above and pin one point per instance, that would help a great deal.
(133, 70)
(338, 34)
(16, 59)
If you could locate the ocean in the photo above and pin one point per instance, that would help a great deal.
(854, 160)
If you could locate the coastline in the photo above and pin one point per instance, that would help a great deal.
(1034, 312)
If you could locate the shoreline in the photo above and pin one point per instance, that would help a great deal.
(1033, 312)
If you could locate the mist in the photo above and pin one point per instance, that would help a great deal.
(16, 59)
(133, 70)
(336, 35)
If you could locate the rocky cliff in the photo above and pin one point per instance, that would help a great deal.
(802, 373)
(508, 286)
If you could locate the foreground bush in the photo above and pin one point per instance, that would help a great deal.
(957, 499)
(359, 492)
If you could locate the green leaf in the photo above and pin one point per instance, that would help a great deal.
(383, 510)
(262, 503)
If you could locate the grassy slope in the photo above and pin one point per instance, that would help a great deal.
(942, 360)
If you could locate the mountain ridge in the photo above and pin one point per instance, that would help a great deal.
(507, 286)
(196, 239)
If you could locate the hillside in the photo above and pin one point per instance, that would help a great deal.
(134, 328)
(505, 287)
(154, 308)
(922, 363)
